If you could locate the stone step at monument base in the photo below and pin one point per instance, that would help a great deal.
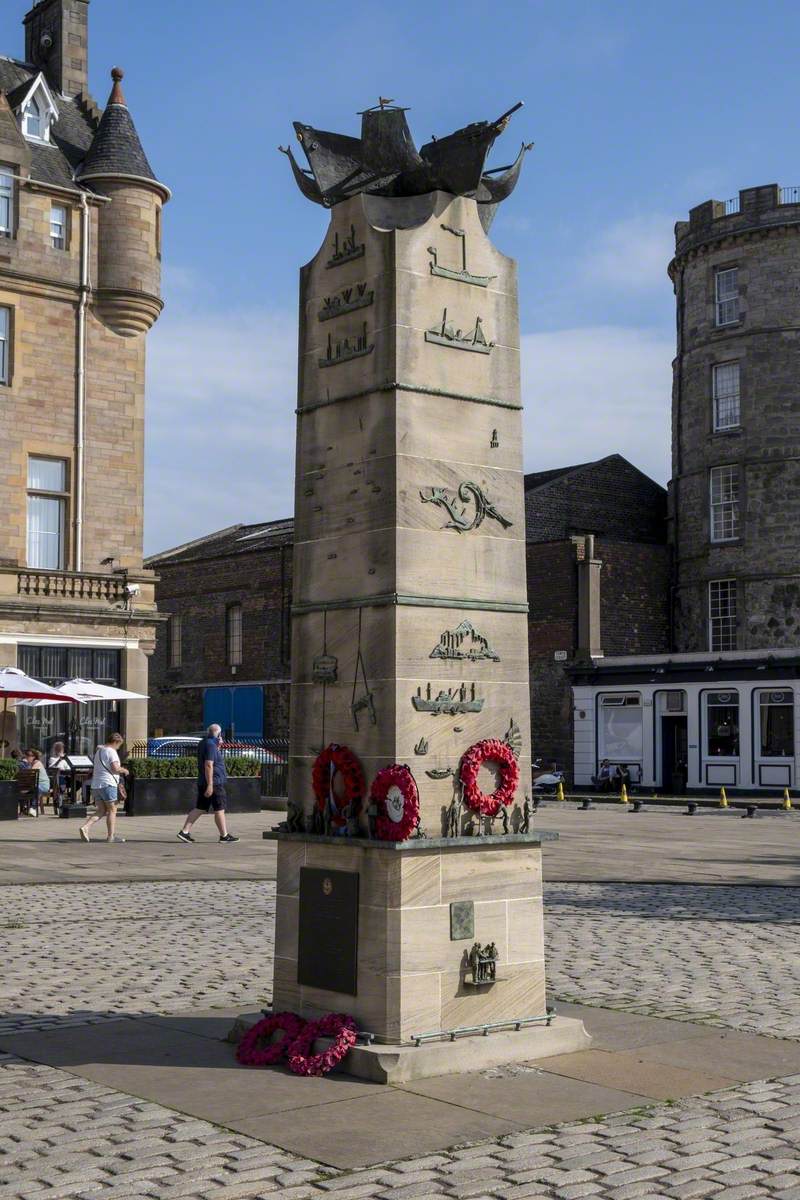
(472, 1052)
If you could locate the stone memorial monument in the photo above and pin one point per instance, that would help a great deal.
(409, 881)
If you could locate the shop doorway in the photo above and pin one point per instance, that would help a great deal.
(674, 754)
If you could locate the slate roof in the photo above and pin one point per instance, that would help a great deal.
(116, 149)
(71, 135)
(234, 540)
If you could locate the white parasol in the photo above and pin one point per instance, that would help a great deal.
(16, 685)
(83, 691)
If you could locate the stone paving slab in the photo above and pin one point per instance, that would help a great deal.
(339, 1121)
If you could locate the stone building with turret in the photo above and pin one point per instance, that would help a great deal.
(80, 264)
(721, 710)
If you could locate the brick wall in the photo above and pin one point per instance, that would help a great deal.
(610, 498)
(201, 591)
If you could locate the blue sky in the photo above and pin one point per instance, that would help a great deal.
(638, 109)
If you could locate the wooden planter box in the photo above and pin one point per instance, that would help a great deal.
(155, 797)
(9, 800)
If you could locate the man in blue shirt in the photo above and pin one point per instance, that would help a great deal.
(211, 780)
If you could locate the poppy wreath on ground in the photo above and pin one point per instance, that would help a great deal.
(336, 1025)
(395, 793)
(490, 750)
(256, 1050)
(339, 759)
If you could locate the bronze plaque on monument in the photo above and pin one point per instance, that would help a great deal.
(327, 950)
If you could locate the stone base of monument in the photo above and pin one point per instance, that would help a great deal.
(475, 1052)
(434, 945)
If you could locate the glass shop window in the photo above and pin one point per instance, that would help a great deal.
(621, 727)
(722, 724)
(776, 724)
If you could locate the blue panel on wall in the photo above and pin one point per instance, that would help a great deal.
(239, 710)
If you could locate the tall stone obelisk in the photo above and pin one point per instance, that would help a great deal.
(409, 635)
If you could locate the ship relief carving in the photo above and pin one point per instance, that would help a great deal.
(347, 300)
(461, 275)
(345, 249)
(464, 642)
(445, 333)
(342, 349)
(448, 703)
(458, 506)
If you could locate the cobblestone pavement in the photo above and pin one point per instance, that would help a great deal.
(65, 1137)
(723, 955)
(727, 955)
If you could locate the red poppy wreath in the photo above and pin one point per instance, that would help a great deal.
(257, 1050)
(336, 1025)
(490, 750)
(395, 793)
(339, 759)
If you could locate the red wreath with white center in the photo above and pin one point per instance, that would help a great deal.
(490, 750)
(394, 790)
(339, 759)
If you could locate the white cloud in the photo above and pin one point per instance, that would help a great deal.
(594, 391)
(632, 254)
(220, 422)
(222, 394)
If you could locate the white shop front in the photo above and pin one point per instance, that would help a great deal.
(698, 720)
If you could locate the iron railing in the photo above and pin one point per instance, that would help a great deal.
(71, 585)
(789, 195)
(271, 753)
(731, 206)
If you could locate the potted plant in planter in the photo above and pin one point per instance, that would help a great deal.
(9, 796)
(169, 785)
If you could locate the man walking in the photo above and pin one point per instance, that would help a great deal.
(211, 780)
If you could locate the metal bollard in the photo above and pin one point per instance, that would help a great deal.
(691, 808)
(638, 805)
(750, 811)
(585, 804)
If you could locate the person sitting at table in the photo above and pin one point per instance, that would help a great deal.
(623, 778)
(58, 762)
(602, 779)
(33, 762)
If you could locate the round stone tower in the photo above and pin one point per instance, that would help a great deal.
(735, 492)
(127, 297)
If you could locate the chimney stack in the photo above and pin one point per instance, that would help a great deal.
(57, 42)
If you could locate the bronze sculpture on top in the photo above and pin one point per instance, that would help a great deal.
(385, 162)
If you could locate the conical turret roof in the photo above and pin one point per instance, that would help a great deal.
(116, 149)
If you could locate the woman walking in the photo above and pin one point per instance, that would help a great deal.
(105, 787)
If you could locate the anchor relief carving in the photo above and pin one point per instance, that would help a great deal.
(467, 493)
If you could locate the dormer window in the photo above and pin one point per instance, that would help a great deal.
(35, 107)
(32, 120)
